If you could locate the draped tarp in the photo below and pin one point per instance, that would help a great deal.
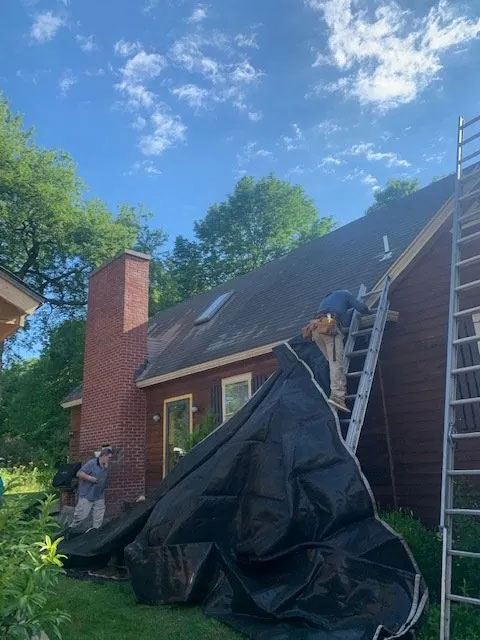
(270, 524)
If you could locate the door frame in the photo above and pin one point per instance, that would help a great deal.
(187, 396)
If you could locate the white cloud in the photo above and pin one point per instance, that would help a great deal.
(255, 116)
(247, 41)
(67, 81)
(139, 123)
(434, 157)
(143, 66)
(86, 43)
(199, 14)
(167, 131)
(329, 160)
(329, 127)
(250, 151)
(45, 26)
(194, 95)
(138, 96)
(125, 48)
(295, 141)
(144, 166)
(198, 54)
(391, 57)
(297, 170)
(363, 177)
(367, 150)
(245, 73)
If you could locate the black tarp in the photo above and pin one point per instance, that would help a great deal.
(270, 524)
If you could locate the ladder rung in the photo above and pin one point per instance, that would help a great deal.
(471, 138)
(359, 352)
(469, 122)
(463, 512)
(464, 554)
(469, 238)
(472, 194)
(467, 312)
(351, 396)
(470, 156)
(465, 435)
(357, 374)
(466, 216)
(467, 340)
(464, 472)
(371, 293)
(472, 367)
(347, 420)
(468, 261)
(362, 332)
(465, 401)
(468, 285)
(463, 599)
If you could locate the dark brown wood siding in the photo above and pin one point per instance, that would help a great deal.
(205, 388)
(413, 360)
(75, 419)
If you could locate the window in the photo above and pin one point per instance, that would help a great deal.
(177, 427)
(213, 308)
(235, 393)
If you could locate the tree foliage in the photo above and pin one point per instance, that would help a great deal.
(50, 235)
(262, 220)
(33, 427)
(393, 190)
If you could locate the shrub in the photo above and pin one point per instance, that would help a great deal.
(424, 544)
(29, 569)
(465, 623)
(27, 478)
(206, 425)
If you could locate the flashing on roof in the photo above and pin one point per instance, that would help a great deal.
(213, 308)
(387, 253)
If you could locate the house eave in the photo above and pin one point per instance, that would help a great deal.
(71, 403)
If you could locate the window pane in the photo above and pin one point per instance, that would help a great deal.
(236, 395)
(178, 430)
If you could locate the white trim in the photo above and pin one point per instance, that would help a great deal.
(209, 364)
(17, 297)
(71, 403)
(244, 377)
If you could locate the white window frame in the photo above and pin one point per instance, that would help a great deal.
(244, 377)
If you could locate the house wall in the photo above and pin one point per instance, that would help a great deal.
(75, 422)
(413, 361)
(201, 386)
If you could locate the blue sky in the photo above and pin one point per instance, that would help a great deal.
(169, 102)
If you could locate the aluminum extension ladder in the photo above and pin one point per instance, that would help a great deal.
(466, 214)
(370, 353)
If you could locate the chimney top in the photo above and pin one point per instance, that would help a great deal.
(128, 252)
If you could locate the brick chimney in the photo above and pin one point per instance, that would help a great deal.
(113, 408)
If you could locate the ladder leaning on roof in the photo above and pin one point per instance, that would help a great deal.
(370, 354)
(466, 214)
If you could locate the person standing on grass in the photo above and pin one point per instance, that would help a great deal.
(92, 480)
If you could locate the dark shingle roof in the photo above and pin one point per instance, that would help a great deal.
(272, 302)
(75, 394)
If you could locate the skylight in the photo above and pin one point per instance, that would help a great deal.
(213, 308)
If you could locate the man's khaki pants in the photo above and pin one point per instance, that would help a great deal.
(338, 381)
(83, 509)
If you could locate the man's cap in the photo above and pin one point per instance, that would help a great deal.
(105, 449)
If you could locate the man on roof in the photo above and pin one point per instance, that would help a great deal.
(334, 312)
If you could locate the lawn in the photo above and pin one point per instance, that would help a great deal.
(106, 611)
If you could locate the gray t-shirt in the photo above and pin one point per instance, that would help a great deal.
(89, 490)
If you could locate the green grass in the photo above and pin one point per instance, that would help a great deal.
(105, 611)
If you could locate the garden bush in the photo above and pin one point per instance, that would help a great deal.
(29, 570)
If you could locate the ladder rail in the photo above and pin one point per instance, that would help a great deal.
(354, 327)
(366, 376)
(449, 409)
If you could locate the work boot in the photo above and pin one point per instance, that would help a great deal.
(339, 404)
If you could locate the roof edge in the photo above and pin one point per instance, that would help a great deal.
(71, 403)
(128, 252)
(20, 284)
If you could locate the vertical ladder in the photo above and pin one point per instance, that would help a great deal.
(370, 353)
(466, 214)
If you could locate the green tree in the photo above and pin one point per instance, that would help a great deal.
(32, 425)
(393, 190)
(50, 235)
(262, 220)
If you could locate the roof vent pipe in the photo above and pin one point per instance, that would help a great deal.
(386, 249)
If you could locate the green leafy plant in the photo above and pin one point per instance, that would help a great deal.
(30, 566)
(206, 425)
